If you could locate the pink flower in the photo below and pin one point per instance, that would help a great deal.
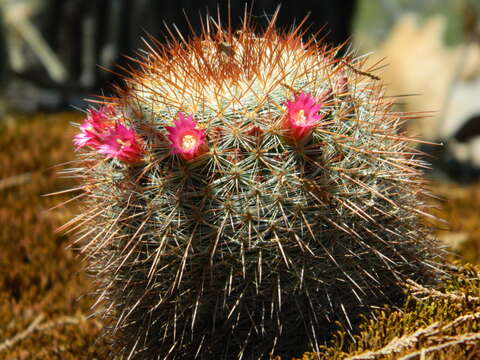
(187, 141)
(121, 143)
(89, 136)
(302, 115)
(93, 128)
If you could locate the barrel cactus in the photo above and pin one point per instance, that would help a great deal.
(244, 191)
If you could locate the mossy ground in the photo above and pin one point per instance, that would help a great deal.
(43, 306)
(41, 280)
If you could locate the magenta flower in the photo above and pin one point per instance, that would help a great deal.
(187, 141)
(121, 143)
(89, 136)
(302, 115)
(93, 128)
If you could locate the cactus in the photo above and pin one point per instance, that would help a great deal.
(245, 191)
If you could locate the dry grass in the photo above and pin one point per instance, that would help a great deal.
(42, 282)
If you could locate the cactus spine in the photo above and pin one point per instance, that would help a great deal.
(245, 191)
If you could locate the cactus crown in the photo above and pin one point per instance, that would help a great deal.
(264, 189)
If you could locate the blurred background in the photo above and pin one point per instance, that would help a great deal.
(54, 54)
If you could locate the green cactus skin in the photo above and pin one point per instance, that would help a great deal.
(262, 243)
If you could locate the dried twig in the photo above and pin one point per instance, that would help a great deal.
(461, 320)
(64, 320)
(23, 334)
(37, 325)
(397, 345)
(16, 180)
(420, 293)
(357, 71)
(463, 339)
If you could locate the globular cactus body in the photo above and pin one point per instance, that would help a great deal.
(244, 192)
